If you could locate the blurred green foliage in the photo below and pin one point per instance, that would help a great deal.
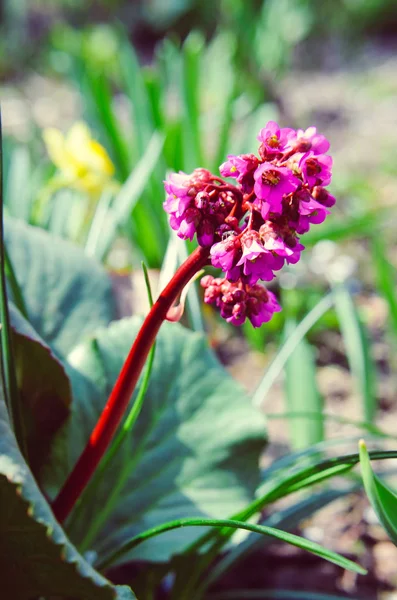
(267, 30)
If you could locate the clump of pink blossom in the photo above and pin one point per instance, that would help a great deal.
(252, 228)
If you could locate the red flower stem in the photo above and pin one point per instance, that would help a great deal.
(124, 387)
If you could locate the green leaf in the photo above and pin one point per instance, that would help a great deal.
(288, 475)
(385, 278)
(289, 347)
(195, 448)
(190, 91)
(137, 94)
(382, 498)
(126, 202)
(18, 195)
(43, 385)
(220, 77)
(67, 294)
(97, 93)
(277, 534)
(7, 371)
(36, 558)
(287, 518)
(357, 349)
(302, 393)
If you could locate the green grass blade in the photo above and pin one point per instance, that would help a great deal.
(11, 392)
(97, 92)
(17, 193)
(14, 285)
(155, 93)
(190, 87)
(137, 93)
(381, 497)
(98, 223)
(126, 202)
(290, 538)
(287, 518)
(385, 278)
(286, 483)
(357, 349)
(288, 348)
(302, 393)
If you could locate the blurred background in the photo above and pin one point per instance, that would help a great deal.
(176, 84)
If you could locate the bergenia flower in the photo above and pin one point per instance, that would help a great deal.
(252, 228)
(196, 204)
(242, 169)
(274, 139)
(225, 255)
(303, 141)
(316, 169)
(271, 185)
(256, 262)
(238, 303)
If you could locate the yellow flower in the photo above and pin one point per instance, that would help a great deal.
(83, 163)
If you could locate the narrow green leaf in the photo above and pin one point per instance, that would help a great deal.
(137, 94)
(358, 349)
(284, 483)
(126, 202)
(386, 278)
(18, 195)
(288, 348)
(287, 518)
(14, 285)
(290, 538)
(191, 58)
(302, 393)
(97, 92)
(98, 223)
(12, 396)
(381, 497)
(155, 93)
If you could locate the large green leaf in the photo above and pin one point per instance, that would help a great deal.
(67, 294)
(43, 385)
(36, 558)
(194, 451)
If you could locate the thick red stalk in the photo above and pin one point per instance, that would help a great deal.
(124, 387)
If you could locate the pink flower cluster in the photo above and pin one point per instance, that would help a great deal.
(252, 228)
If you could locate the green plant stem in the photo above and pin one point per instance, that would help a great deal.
(119, 398)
